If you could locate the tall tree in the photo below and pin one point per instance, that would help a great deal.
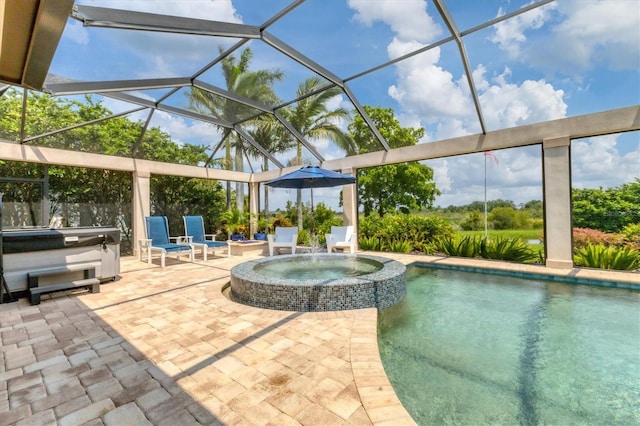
(255, 85)
(396, 187)
(312, 118)
(272, 136)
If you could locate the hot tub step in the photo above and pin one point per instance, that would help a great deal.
(93, 284)
(35, 289)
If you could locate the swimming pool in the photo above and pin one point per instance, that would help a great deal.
(469, 348)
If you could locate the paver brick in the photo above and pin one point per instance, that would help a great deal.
(27, 395)
(14, 415)
(104, 389)
(128, 414)
(87, 414)
(23, 381)
(153, 398)
(72, 405)
(42, 418)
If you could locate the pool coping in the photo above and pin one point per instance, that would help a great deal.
(532, 275)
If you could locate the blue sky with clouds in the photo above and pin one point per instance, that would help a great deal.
(564, 59)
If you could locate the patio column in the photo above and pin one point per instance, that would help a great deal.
(556, 160)
(350, 201)
(140, 205)
(254, 207)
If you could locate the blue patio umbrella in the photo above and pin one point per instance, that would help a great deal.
(311, 177)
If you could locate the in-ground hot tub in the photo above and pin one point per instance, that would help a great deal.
(319, 282)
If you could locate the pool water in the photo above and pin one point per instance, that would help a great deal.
(466, 348)
(318, 267)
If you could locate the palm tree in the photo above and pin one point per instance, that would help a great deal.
(255, 85)
(313, 120)
(272, 136)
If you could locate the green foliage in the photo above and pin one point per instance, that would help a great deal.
(467, 246)
(397, 187)
(239, 79)
(534, 209)
(419, 231)
(508, 218)
(313, 119)
(608, 210)
(236, 221)
(370, 243)
(303, 237)
(501, 248)
(631, 235)
(280, 220)
(479, 206)
(607, 257)
(398, 246)
(509, 249)
(473, 222)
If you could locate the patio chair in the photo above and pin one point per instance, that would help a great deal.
(341, 237)
(158, 240)
(195, 235)
(284, 237)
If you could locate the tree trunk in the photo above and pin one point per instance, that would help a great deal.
(265, 167)
(239, 185)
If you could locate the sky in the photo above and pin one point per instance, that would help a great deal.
(567, 58)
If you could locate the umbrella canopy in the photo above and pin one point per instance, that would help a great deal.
(311, 177)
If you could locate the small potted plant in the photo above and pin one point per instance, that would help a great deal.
(262, 230)
(236, 222)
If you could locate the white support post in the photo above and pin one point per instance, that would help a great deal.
(556, 155)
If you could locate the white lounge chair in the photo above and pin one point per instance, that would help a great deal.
(341, 237)
(284, 237)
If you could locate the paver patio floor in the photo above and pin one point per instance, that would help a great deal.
(166, 347)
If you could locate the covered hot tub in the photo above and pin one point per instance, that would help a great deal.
(27, 251)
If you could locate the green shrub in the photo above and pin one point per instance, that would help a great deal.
(607, 257)
(631, 235)
(369, 243)
(398, 246)
(473, 222)
(510, 249)
(303, 237)
(508, 218)
(462, 247)
(419, 232)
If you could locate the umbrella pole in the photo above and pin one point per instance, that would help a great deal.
(313, 216)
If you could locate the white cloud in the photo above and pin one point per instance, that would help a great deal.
(599, 161)
(186, 131)
(424, 88)
(599, 31)
(408, 19)
(510, 34)
(427, 91)
(584, 34)
(517, 176)
(505, 104)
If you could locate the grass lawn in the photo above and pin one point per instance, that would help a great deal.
(524, 234)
